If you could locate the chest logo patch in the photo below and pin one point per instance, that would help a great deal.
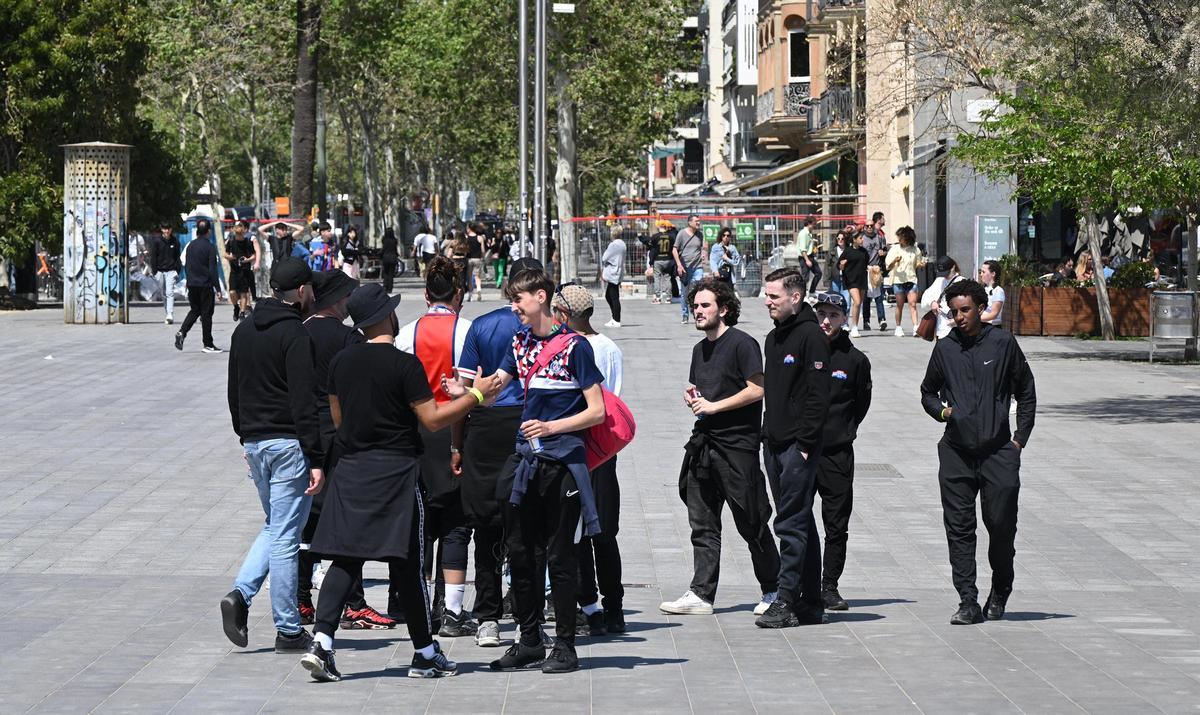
(789, 359)
(818, 365)
(840, 375)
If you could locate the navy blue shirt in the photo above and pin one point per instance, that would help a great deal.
(489, 341)
(556, 391)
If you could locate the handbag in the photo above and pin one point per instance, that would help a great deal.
(927, 328)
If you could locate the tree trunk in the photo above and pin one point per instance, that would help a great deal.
(252, 150)
(370, 173)
(304, 104)
(1102, 302)
(322, 188)
(564, 177)
(1193, 285)
(391, 196)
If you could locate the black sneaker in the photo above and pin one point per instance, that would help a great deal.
(439, 666)
(778, 615)
(883, 325)
(866, 326)
(833, 600)
(520, 657)
(596, 624)
(581, 624)
(562, 659)
(294, 643)
(614, 620)
(395, 610)
(319, 664)
(810, 614)
(179, 341)
(968, 613)
(457, 625)
(507, 605)
(236, 314)
(233, 617)
(993, 609)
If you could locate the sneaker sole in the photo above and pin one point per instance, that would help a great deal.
(792, 623)
(363, 626)
(488, 642)
(560, 671)
(431, 673)
(692, 611)
(843, 606)
(228, 616)
(445, 633)
(317, 670)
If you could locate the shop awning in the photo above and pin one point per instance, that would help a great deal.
(780, 174)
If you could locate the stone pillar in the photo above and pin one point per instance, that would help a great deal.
(95, 233)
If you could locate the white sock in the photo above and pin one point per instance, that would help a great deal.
(325, 640)
(591, 608)
(427, 651)
(454, 597)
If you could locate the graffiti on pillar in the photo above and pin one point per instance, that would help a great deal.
(96, 263)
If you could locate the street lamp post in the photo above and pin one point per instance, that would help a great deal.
(539, 132)
(523, 129)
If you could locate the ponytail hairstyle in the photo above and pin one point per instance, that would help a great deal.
(443, 280)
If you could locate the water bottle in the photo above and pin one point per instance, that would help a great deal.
(695, 393)
(535, 444)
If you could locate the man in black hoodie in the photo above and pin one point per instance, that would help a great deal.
(164, 264)
(796, 382)
(849, 400)
(201, 265)
(273, 403)
(971, 377)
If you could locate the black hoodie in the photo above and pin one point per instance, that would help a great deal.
(796, 382)
(977, 377)
(849, 393)
(272, 386)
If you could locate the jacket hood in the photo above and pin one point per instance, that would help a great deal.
(805, 315)
(841, 342)
(269, 311)
(961, 338)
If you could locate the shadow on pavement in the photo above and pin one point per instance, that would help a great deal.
(1035, 616)
(638, 627)
(869, 602)
(1131, 410)
(625, 662)
(852, 616)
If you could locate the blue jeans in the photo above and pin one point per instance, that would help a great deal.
(836, 286)
(685, 280)
(280, 472)
(166, 280)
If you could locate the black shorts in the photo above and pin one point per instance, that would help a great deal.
(241, 278)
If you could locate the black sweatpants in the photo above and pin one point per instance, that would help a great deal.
(707, 495)
(793, 480)
(996, 479)
(599, 555)
(389, 275)
(201, 302)
(544, 522)
(835, 484)
(489, 574)
(612, 296)
(408, 580)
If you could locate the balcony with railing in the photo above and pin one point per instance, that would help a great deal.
(824, 15)
(838, 112)
(795, 103)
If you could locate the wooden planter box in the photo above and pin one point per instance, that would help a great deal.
(1071, 311)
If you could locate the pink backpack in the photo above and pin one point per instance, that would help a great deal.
(602, 441)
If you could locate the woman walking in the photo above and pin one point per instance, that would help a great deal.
(724, 258)
(613, 272)
(902, 261)
(351, 252)
(853, 265)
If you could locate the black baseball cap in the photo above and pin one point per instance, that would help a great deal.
(945, 264)
(524, 264)
(836, 300)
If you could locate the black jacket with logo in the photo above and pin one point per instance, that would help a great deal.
(796, 382)
(849, 392)
(164, 254)
(977, 377)
(272, 387)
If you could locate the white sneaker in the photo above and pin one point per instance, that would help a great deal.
(688, 605)
(854, 332)
(765, 603)
(318, 576)
(612, 324)
(899, 332)
(914, 332)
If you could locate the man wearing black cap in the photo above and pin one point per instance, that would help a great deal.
(849, 400)
(273, 403)
(330, 335)
(201, 265)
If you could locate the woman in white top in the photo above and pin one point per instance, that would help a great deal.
(989, 276)
(932, 298)
(902, 261)
(612, 272)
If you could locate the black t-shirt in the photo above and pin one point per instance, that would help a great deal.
(376, 384)
(720, 369)
(329, 337)
(661, 245)
(242, 252)
(854, 275)
(474, 247)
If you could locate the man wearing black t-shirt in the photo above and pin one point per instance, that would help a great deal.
(242, 252)
(720, 465)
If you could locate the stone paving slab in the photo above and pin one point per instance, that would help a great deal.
(125, 512)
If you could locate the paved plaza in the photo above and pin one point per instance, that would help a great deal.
(125, 512)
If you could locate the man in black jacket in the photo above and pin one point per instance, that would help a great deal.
(201, 265)
(796, 383)
(849, 400)
(273, 403)
(970, 379)
(164, 264)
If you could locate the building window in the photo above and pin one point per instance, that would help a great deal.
(798, 56)
(662, 167)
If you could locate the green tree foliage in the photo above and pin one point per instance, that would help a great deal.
(67, 74)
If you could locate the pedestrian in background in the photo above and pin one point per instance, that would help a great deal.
(389, 258)
(989, 276)
(612, 272)
(875, 244)
(688, 252)
(902, 261)
(662, 261)
(806, 246)
(200, 264)
(165, 265)
(242, 253)
(723, 257)
(350, 252)
(933, 297)
(853, 266)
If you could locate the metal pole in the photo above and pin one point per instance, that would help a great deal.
(539, 133)
(523, 130)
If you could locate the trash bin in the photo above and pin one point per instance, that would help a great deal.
(747, 285)
(1171, 317)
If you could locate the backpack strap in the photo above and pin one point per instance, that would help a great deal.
(553, 348)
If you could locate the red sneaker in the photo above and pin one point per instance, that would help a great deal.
(308, 614)
(365, 618)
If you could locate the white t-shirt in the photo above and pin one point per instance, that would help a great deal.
(425, 243)
(407, 339)
(996, 294)
(609, 361)
(933, 294)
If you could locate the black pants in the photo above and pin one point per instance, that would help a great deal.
(612, 296)
(706, 498)
(202, 303)
(407, 579)
(814, 274)
(835, 484)
(996, 479)
(793, 480)
(544, 523)
(489, 574)
(599, 555)
(389, 275)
